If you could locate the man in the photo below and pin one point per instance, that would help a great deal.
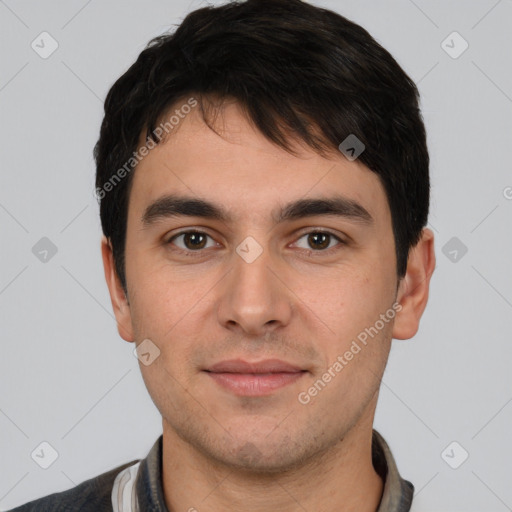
(264, 191)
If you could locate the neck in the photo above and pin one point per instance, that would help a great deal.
(341, 479)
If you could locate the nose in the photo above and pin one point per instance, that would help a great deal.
(254, 299)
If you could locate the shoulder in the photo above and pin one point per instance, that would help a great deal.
(93, 495)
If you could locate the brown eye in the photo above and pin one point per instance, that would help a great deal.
(319, 240)
(190, 240)
(194, 240)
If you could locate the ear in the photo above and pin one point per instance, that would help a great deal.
(119, 300)
(414, 287)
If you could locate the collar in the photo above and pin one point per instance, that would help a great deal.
(396, 496)
(397, 493)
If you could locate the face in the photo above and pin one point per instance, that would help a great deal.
(247, 277)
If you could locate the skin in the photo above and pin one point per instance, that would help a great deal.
(295, 302)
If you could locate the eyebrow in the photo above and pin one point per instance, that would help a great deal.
(170, 206)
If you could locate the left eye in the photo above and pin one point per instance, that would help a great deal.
(192, 240)
(318, 240)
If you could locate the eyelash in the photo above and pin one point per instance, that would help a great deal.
(199, 252)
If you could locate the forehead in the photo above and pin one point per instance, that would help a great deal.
(238, 167)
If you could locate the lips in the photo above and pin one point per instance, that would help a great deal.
(254, 379)
(262, 367)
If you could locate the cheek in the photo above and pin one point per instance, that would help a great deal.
(163, 312)
(170, 310)
(352, 306)
(157, 296)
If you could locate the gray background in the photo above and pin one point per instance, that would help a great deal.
(67, 378)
